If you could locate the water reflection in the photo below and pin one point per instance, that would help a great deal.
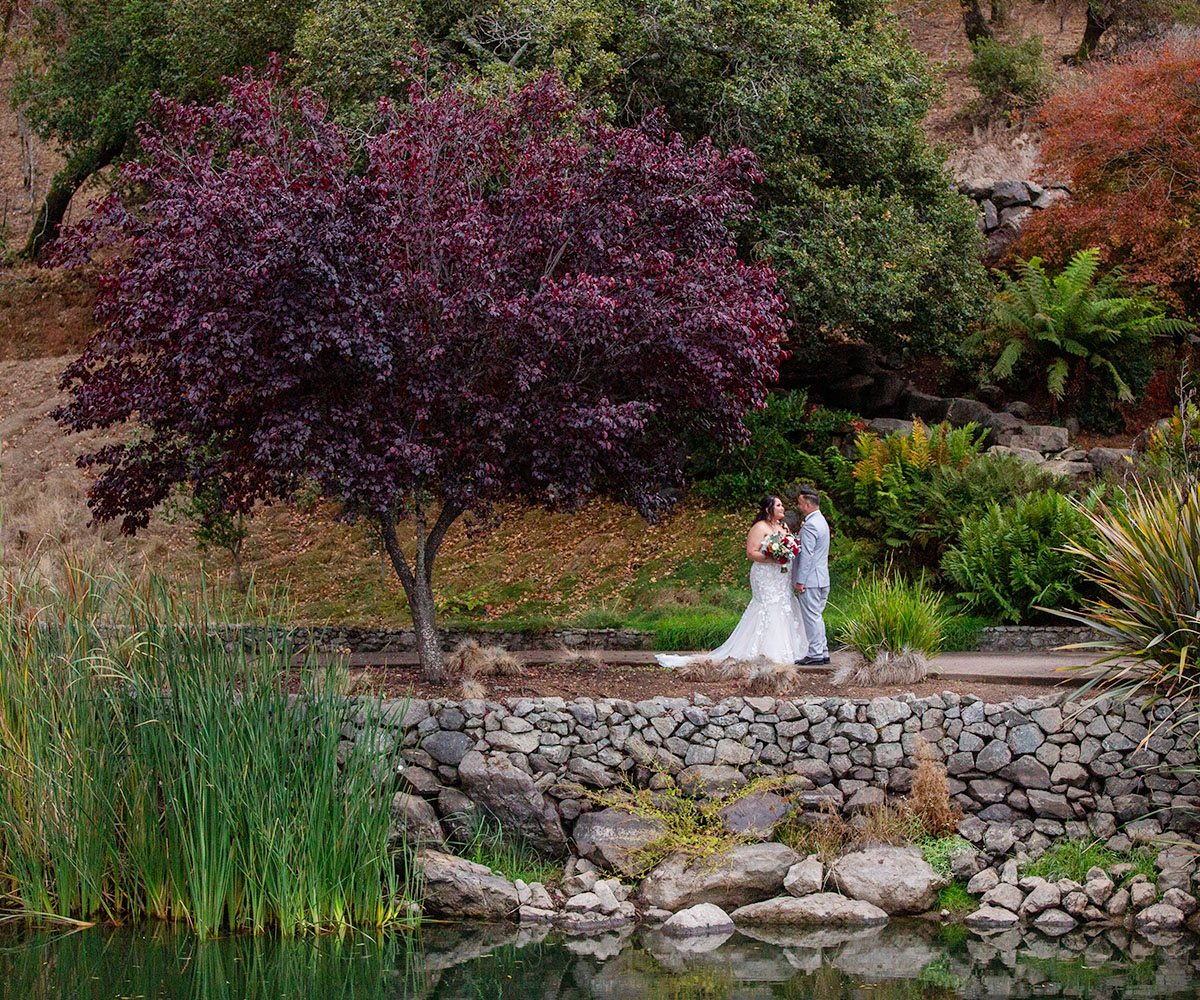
(448, 962)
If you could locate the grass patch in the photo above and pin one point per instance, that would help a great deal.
(955, 898)
(507, 854)
(940, 852)
(1072, 859)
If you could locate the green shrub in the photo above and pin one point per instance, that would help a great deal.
(962, 631)
(906, 496)
(1009, 561)
(693, 827)
(1010, 76)
(786, 440)
(888, 614)
(1174, 445)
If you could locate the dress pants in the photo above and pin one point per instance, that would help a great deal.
(812, 607)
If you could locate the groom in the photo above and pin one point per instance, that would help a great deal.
(810, 575)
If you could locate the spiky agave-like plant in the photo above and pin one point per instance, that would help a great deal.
(1145, 559)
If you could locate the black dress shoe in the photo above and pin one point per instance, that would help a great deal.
(813, 661)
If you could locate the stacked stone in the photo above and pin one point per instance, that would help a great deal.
(1025, 638)
(1007, 434)
(1058, 907)
(1006, 205)
(1024, 773)
(331, 638)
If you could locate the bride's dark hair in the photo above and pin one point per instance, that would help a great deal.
(766, 510)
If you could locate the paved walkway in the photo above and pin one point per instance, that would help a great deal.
(1040, 668)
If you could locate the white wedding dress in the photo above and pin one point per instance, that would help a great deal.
(771, 626)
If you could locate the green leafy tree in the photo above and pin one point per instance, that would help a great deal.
(856, 210)
(1078, 325)
(213, 524)
(353, 52)
(94, 65)
(1010, 76)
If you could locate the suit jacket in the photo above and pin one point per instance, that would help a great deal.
(811, 566)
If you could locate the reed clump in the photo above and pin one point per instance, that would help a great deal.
(148, 771)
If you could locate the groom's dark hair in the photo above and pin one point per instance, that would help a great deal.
(810, 494)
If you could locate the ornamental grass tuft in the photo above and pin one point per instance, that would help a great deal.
(893, 626)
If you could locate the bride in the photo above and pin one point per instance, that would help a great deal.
(771, 627)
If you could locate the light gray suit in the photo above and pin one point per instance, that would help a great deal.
(811, 568)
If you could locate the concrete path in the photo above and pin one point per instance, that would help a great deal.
(1039, 668)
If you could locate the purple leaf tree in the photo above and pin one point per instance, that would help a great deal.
(486, 300)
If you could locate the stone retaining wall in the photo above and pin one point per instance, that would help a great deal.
(327, 638)
(1022, 638)
(1024, 772)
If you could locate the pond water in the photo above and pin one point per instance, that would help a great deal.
(447, 962)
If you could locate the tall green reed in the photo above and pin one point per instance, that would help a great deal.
(146, 770)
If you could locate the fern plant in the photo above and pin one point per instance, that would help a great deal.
(1010, 560)
(885, 488)
(1077, 324)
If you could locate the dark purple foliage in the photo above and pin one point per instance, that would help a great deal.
(501, 300)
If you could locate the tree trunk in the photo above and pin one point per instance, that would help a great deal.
(66, 182)
(974, 23)
(1098, 22)
(417, 581)
(999, 11)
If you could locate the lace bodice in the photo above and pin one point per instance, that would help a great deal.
(768, 584)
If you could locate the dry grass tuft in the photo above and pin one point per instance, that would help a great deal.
(757, 676)
(588, 659)
(472, 661)
(906, 667)
(472, 687)
(771, 678)
(677, 597)
(833, 835)
(929, 800)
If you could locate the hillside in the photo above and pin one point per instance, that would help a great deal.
(601, 566)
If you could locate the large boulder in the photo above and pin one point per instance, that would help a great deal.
(415, 822)
(755, 815)
(456, 887)
(991, 918)
(896, 879)
(509, 794)
(612, 837)
(744, 875)
(711, 780)
(703, 918)
(822, 908)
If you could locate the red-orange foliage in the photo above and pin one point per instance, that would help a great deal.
(1128, 142)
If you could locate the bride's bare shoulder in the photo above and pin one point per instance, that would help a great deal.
(760, 527)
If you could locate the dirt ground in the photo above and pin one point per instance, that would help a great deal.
(637, 683)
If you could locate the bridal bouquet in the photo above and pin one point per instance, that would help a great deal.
(782, 548)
